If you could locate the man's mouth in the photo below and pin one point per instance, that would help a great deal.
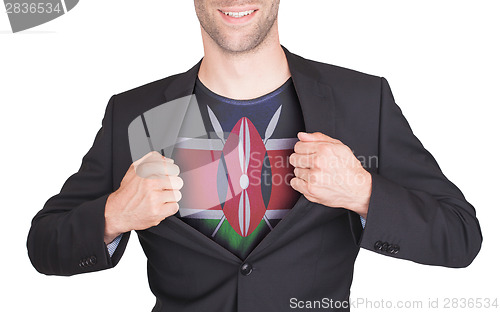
(239, 14)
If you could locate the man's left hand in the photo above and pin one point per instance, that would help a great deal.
(327, 172)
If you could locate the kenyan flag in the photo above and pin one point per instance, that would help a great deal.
(236, 184)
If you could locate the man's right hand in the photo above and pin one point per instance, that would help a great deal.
(148, 193)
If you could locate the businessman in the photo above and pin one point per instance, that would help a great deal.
(254, 178)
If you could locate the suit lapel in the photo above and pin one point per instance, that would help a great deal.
(315, 97)
(157, 128)
(318, 109)
(182, 84)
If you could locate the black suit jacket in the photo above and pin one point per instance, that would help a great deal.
(415, 212)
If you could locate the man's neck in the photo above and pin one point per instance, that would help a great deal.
(244, 76)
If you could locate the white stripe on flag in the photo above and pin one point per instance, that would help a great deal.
(216, 144)
(199, 144)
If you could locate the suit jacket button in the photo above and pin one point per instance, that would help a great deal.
(93, 260)
(83, 263)
(246, 269)
(384, 246)
(390, 249)
(396, 249)
(378, 245)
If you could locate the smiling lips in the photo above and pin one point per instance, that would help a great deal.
(233, 16)
(239, 14)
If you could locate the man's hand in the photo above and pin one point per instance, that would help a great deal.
(148, 193)
(327, 172)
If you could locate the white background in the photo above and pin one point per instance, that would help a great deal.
(441, 59)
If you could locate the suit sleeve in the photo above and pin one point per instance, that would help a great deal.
(415, 212)
(67, 236)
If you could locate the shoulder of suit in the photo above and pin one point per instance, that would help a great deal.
(129, 104)
(152, 89)
(338, 74)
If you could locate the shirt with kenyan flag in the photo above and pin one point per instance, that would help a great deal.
(241, 189)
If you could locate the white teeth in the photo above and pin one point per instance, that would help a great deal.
(239, 14)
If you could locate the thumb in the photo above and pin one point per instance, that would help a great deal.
(316, 137)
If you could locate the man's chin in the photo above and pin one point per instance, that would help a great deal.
(239, 45)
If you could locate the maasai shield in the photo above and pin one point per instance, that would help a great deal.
(244, 154)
